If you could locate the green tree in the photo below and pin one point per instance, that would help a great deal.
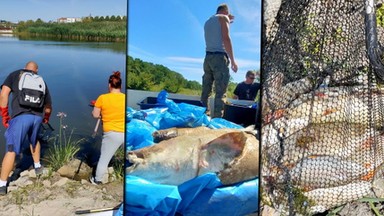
(380, 15)
(39, 21)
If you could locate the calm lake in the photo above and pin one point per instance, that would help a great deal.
(75, 72)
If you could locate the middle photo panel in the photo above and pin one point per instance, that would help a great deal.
(193, 98)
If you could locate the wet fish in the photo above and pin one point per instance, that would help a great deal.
(335, 104)
(328, 198)
(326, 171)
(232, 154)
(319, 139)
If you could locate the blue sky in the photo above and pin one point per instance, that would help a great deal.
(47, 10)
(171, 33)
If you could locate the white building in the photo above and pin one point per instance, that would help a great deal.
(68, 20)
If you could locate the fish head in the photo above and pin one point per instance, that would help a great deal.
(218, 153)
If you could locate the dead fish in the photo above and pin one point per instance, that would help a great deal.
(328, 198)
(169, 133)
(335, 104)
(230, 153)
(327, 139)
(326, 171)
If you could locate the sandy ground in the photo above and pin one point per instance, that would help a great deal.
(42, 199)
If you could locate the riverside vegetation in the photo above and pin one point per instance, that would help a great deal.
(64, 148)
(108, 28)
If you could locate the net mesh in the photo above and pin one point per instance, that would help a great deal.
(322, 118)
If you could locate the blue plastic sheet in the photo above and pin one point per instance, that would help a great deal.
(218, 123)
(214, 199)
(145, 198)
(139, 134)
(187, 116)
(162, 98)
(172, 115)
(203, 195)
(120, 212)
(135, 114)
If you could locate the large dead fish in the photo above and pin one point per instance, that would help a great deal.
(232, 154)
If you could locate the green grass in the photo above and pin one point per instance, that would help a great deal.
(63, 149)
(118, 165)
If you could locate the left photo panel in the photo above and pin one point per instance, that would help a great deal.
(62, 102)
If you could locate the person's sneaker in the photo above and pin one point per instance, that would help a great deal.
(94, 181)
(3, 190)
(15, 175)
(39, 171)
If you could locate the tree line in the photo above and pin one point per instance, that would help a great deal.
(154, 77)
(147, 76)
(96, 28)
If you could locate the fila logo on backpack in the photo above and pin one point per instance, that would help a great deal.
(32, 90)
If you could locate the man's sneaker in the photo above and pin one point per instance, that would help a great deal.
(15, 175)
(94, 181)
(39, 171)
(3, 190)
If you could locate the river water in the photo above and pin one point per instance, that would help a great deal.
(75, 72)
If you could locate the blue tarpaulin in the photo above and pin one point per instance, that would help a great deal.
(203, 195)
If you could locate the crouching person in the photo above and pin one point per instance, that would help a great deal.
(30, 105)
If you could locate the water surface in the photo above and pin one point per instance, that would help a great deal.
(75, 72)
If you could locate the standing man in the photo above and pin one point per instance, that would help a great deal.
(247, 90)
(28, 112)
(219, 55)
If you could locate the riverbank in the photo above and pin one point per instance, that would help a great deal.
(101, 31)
(55, 194)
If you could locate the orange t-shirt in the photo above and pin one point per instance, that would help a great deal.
(112, 107)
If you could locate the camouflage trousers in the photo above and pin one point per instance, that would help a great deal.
(216, 71)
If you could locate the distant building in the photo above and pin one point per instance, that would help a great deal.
(68, 20)
(6, 30)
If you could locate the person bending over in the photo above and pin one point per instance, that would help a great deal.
(28, 112)
(110, 107)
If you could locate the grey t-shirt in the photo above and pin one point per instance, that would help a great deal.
(213, 36)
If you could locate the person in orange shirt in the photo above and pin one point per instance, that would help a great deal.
(110, 108)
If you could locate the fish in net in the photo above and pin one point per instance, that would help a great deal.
(322, 101)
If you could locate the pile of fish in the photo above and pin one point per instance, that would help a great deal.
(183, 154)
(326, 143)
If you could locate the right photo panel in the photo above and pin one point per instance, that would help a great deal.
(322, 108)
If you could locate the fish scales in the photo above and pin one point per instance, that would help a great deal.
(326, 171)
(327, 198)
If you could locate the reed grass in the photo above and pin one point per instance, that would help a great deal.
(64, 148)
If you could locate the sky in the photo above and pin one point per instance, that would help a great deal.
(51, 10)
(171, 33)
(166, 32)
